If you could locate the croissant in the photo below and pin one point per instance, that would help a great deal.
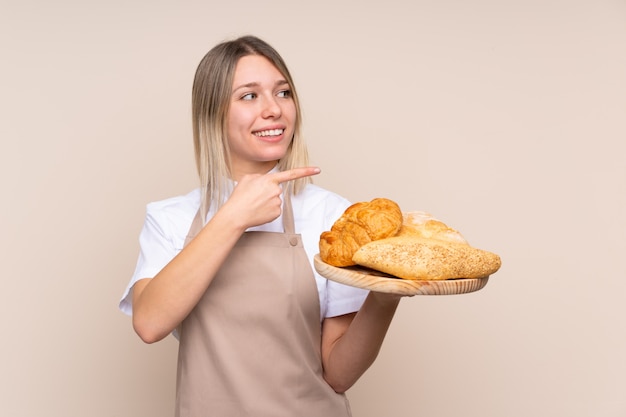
(360, 223)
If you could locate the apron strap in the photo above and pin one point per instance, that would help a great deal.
(288, 222)
(196, 226)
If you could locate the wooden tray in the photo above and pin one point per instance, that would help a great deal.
(369, 279)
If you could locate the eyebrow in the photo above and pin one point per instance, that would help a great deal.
(255, 84)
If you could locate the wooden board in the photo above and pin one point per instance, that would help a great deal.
(369, 279)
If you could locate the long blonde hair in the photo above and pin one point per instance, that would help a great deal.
(210, 106)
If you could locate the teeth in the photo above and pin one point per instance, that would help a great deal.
(271, 132)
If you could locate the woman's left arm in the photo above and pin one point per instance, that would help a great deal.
(350, 343)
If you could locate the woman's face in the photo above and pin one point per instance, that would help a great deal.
(262, 116)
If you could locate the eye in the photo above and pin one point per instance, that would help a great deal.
(249, 96)
(284, 94)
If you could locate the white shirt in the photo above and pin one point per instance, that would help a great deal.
(315, 210)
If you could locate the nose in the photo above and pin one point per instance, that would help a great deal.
(271, 108)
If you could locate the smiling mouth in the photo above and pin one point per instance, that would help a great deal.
(271, 132)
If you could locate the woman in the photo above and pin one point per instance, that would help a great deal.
(229, 266)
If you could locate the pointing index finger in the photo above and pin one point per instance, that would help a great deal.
(295, 173)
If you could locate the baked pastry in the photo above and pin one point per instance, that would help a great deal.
(412, 245)
(423, 224)
(427, 249)
(360, 223)
(420, 258)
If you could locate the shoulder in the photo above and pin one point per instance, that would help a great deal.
(174, 214)
(180, 204)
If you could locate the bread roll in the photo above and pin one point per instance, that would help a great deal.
(361, 223)
(423, 224)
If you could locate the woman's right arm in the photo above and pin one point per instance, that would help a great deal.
(161, 303)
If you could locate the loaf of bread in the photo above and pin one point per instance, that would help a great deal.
(427, 249)
(423, 224)
(360, 224)
(420, 258)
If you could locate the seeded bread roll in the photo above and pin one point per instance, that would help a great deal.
(430, 252)
(361, 223)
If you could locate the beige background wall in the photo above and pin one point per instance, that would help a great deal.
(506, 119)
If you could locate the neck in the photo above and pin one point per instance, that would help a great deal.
(239, 171)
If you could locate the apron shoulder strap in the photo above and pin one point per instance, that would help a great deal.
(196, 226)
(288, 220)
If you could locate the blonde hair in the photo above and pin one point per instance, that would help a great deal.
(211, 95)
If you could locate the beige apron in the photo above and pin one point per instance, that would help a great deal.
(251, 346)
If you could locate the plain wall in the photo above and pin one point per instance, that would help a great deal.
(505, 119)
